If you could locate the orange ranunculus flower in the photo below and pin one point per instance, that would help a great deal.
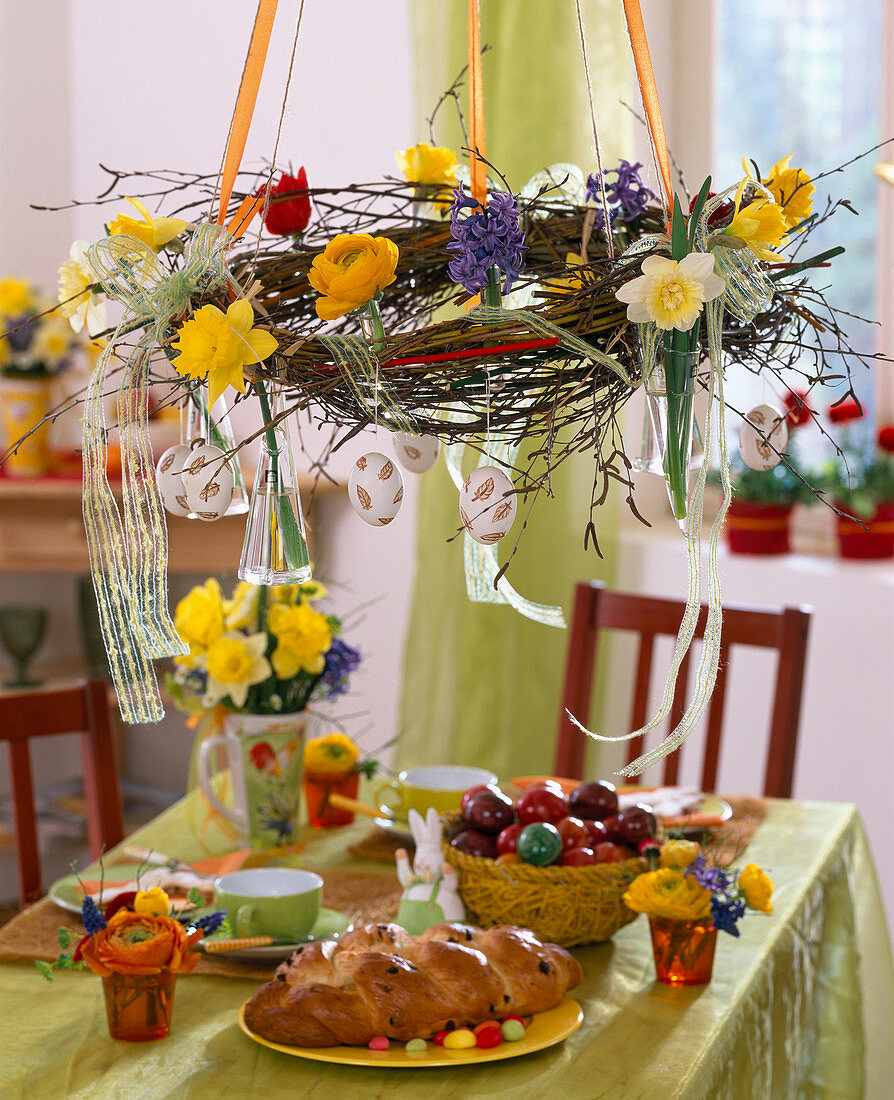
(136, 943)
(350, 271)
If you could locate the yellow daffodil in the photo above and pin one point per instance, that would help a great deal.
(152, 903)
(155, 232)
(312, 590)
(199, 620)
(77, 302)
(669, 894)
(350, 271)
(15, 297)
(671, 293)
(425, 163)
(332, 755)
(240, 610)
(761, 225)
(792, 190)
(303, 638)
(218, 345)
(679, 853)
(757, 887)
(234, 662)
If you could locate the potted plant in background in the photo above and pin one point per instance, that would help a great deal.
(35, 346)
(860, 481)
(257, 662)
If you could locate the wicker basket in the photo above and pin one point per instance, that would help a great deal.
(565, 905)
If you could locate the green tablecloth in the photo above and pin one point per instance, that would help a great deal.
(792, 1006)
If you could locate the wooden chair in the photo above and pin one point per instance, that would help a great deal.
(82, 708)
(596, 608)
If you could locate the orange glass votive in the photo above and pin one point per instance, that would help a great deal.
(683, 950)
(138, 1006)
(318, 788)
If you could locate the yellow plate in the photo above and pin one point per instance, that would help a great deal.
(544, 1030)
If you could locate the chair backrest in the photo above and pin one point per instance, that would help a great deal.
(596, 608)
(82, 708)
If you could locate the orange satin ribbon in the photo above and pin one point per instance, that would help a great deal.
(643, 60)
(477, 167)
(242, 115)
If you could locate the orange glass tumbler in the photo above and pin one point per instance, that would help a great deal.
(318, 788)
(138, 1006)
(683, 950)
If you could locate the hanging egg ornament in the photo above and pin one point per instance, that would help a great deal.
(208, 481)
(170, 483)
(487, 504)
(375, 489)
(763, 436)
(416, 453)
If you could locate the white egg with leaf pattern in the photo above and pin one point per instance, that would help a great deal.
(375, 489)
(168, 472)
(487, 504)
(763, 435)
(416, 453)
(208, 481)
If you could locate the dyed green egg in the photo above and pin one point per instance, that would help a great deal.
(539, 844)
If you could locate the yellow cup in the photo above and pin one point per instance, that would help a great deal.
(438, 785)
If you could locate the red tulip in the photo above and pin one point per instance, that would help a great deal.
(796, 406)
(289, 208)
(886, 438)
(847, 410)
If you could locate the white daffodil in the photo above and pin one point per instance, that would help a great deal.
(76, 302)
(235, 662)
(671, 293)
(240, 612)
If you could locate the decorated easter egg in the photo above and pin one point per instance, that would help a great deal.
(208, 481)
(375, 489)
(170, 484)
(487, 504)
(416, 453)
(763, 435)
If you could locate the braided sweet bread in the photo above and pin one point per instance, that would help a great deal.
(379, 980)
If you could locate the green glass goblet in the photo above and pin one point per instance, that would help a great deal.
(21, 632)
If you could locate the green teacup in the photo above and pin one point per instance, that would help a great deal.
(270, 901)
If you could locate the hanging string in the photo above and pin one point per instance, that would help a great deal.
(477, 150)
(607, 224)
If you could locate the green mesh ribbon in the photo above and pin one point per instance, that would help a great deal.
(128, 547)
(359, 367)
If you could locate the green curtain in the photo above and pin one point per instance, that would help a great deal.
(481, 683)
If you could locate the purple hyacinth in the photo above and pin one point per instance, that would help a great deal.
(341, 661)
(628, 193)
(487, 237)
(20, 333)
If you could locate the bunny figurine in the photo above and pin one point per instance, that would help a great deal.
(431, 892)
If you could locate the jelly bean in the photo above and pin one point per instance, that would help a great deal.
(379, 1042)
(416, 1044)
(460, 1039)
(439, 1037)
(513, 1030)
(513, 1016)
(484, 1024)
(490, 1037)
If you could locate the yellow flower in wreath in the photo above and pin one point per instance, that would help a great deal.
(217, 345)
(792, 190)
(199, 619)
(668, 893)
(425, 163)
(234, 663)
(303, 637)
(155, 232)
(350, 271)
(761, 225)
(757, 887)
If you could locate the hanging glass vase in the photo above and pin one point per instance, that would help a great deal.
(275, 546)
(670, 393)
(198, 426)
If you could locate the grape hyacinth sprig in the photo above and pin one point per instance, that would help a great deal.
(727, 900)
(487, 240)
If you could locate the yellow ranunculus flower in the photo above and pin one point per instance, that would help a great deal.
(761, 225)
(792, 190)
(757, 887)
(199, 620)
(235, 662)
(424, 163)
(218, 345)
(669, 894)
(350, 271)
(152, 903)
(155, 232)
(332, 755)
(15, 297)
(679, 853)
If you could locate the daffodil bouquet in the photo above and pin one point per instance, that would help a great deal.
(35, 342)
(683, 887)
(262, 651)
